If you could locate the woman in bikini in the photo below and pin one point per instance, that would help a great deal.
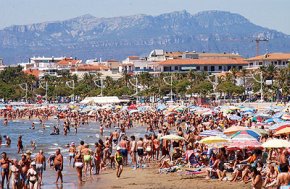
(79, 164)
(32, 177)
(14, 175)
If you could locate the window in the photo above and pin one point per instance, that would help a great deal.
(220, 67)
(167, 69)
(176, 68)
(197, 68)
(205, 68)
(229, 68)
(240, 67)
(212, 68)
(260, 63)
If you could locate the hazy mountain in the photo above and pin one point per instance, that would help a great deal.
(90, 37)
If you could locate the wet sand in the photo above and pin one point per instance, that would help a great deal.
(150, 178)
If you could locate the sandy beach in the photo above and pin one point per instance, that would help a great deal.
(150, 178)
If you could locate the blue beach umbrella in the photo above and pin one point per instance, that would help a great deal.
(235, 117)
(161, 107)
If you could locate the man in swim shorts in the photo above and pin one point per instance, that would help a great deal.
(40, 164)
(58, 165)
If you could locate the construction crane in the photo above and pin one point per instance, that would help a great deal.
(258, 40)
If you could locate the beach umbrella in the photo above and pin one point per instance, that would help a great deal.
(260, 131)
(243, 144)
(247, 109)
(213, 139)
(286, 117)
(161, 107)
(233, 108)
(179, 109)
(285, 130)
(133, 111)
(281, 125)
(212, 133)
(276, 143)
(234, 129)
(246, 134)
(278, 115)
(264, 115)
(207, 113)
(132, 107)
(172, 137)
(235, 118)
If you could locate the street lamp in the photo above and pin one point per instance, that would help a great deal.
(261, 84)
(25, 88)
(101, 86)
(68, 83)
(171, 93)
(46, 89)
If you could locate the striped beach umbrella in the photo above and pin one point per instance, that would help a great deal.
(281, 125)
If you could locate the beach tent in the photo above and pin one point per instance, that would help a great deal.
(101, 100)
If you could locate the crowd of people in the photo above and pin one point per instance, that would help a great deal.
(260, 167)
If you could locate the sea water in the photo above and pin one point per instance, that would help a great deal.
(49, 143)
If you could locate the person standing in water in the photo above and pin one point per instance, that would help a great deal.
(58, 165)
(5, 162)
(72, 152)
(119, 162)
(40, 165)
(19, 144)
(79, 164)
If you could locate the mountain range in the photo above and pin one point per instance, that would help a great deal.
(88, 37)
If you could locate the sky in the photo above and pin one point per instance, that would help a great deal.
(273, 14)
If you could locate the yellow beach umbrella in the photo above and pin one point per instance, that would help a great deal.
(276, 143)
(233, 129)
(285, 130)
(213, 140)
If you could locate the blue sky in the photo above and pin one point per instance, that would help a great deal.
(273, 14)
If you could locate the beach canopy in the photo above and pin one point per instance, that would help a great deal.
(285, 130)
(234, 129)
(213, 139)
(172, 137)
(276, 143)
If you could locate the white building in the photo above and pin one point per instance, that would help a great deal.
(276, 59)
